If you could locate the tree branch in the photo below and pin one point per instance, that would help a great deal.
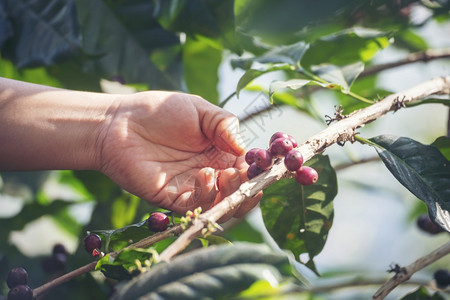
(345, 165)
(424, 56)
(339, 132)
(406, 273)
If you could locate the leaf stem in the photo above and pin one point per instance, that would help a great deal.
(360, 98)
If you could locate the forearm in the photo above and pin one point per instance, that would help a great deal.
(47, 128)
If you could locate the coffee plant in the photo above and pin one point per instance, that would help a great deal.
(323, 72)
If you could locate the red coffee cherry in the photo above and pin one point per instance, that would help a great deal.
(17, 276)
(158, 222)
(293, 141)
(92, 242)
(280, 147)
(263, 159)
(20, 292)
(442, 278)
(306, 175)
(253, 171)
(250, 156)
(278, 135)
(425, 224)
(293, 160)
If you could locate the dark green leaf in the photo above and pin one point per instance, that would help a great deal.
(122, 53)
(443, 144)
(45, 32)
(422, 294)
(6, 30)
(345, 47)
(201, 64)
(290, 55)
(125, 265)
(299, 217)
(422, 169)
(211, 19)
(116, 239)
(209, 273)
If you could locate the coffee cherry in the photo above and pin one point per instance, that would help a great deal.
(17, 276)
(278, 135)
(306, 175)
(253, 171)
(59, 248)
(250, 156)
(280, 147)
(263, 159)
(91, 242)
(158, 222)
(442, 278)
(293, 141)
(293, 160)
(20, 292)
(424, 223)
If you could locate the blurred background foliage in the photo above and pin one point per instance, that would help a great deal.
(94, 45)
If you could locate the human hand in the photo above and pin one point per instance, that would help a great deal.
(169, 148)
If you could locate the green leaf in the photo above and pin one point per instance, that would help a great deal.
(422, 169)
(251, 74)
(201, 64)
(345, 47)
(209, 273)
(293, 84)
(290, 55)
(342, 76)
(99, 185)
(44, 33)
(127, 263)
(116, 239)
(422, 294)
(299, 217)
(443, 144)
(124, 210)
(122, 53)
(210, 19)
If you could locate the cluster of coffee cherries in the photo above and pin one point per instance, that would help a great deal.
(17, 281)
(281, 145)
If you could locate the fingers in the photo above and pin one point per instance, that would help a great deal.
(220, 127)
(228, 182)
(227, 136)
